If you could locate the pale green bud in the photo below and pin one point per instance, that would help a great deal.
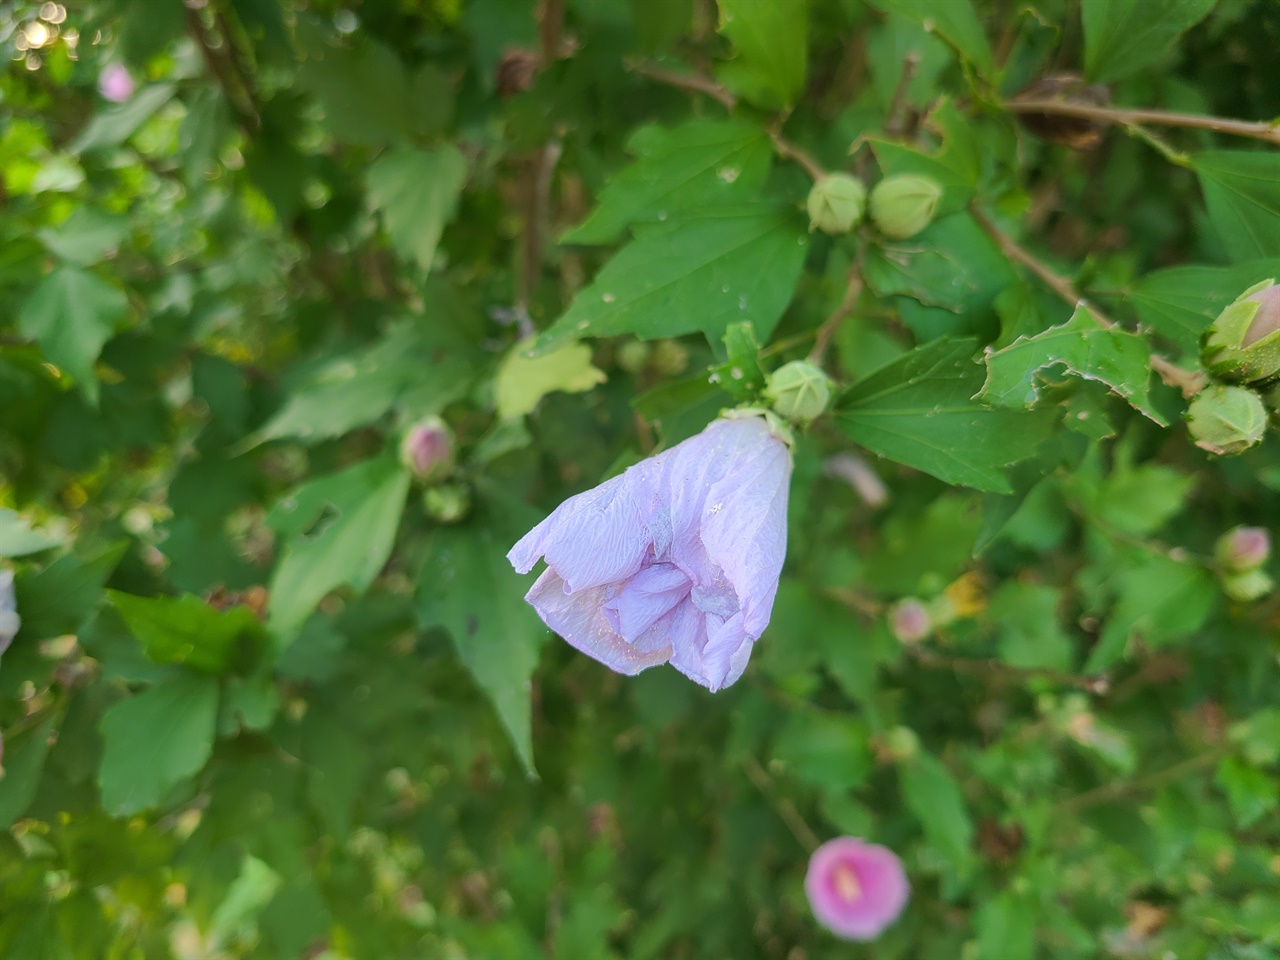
(904, 205)
(1248, 586)
(670, 358)
(633, 356)
(1243, 344)
(448, 502)
(1226, 420)
(836, 203)
(798, 391)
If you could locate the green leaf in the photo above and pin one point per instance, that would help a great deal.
(468, 587)
(1121, 37)
(1006, 926)
(1161, 600)
(1251, 792)
(932, 795)
(700, 163)
(363, 90)
(154, 740)
(416, 192)
(18, 537)
(358, 388)
(954, 20)
(115, 124)
(24, 762)
(72, 313)
(247, 897)
(741, 374)
(87, 236)
(336, 759)
(339, 529)
(697, 273)
(1242, 192)
(770, 38)
(56, 599)
(829, 752)
(918, 410)
(1181, 302)
(522, 380)
(1115, 357)
(1031, 634)
(186, 629)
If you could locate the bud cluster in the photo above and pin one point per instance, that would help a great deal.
(1240, 555)
(1241, 350)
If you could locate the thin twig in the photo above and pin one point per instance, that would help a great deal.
(995, 669)
(826, 332)
(1257, 129)
(1122, 788)
(1188, 381)
(689, 82)
(1055, 282)
(785, 809)
(223, 71)
(693, 83)
(895, 121)
(789, 151)
(550, 18)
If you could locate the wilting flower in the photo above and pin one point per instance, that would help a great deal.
(855, 889)
(675, 560)
(115, 83)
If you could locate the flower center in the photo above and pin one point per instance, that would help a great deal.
(846, 883)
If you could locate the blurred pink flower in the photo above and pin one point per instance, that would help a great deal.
(115, 83)
(855, 889)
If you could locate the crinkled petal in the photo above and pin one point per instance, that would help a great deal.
(648, 596)
(579, 618)
(599, 536)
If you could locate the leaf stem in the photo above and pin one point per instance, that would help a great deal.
(1256, 129)
(826, 332)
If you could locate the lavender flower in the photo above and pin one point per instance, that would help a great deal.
(675, 560)
(9, 619)
(855, 889)
(115, 83)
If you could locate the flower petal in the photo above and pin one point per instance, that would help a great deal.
(580, 619)
(649, 595)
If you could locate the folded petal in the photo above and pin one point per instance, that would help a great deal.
(644, 599)
(580, 619)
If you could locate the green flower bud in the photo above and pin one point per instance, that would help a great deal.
(903, 206)
(670, 358)
(1243, 344)
(1248, 586)
(798, 390)
(633, 356)
(448, 502)
(1226, 420)
(836, 203)
(898, 744)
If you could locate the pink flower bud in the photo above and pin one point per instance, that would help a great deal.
(1243, 548)
(427, 449)
(115, 83)
(910, 621)
(855, 889)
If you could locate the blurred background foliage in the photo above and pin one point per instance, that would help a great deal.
(270, 697)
